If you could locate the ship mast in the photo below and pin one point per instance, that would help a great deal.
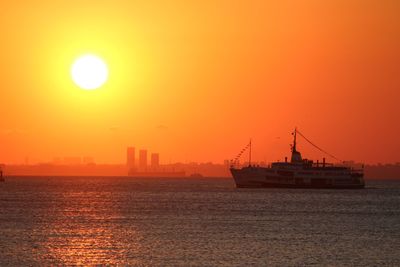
(296, 156)
(250, 153)
(294, 140)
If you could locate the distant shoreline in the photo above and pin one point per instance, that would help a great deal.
(371, 172)
(150, 177)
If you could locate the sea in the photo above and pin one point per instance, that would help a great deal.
(61, 221)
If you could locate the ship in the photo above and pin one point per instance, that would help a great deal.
(298, 173)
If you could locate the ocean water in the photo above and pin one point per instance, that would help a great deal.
(194, 222)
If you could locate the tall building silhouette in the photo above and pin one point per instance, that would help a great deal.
(142, 159)
(155, 161)
(130, 157)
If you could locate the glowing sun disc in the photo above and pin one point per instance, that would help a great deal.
(89, 72)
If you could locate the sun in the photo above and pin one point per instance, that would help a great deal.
(89, 72)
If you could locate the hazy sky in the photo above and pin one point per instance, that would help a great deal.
(194, 80)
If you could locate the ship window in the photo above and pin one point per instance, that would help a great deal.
(285, 173)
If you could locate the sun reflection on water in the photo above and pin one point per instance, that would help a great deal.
(89, 229)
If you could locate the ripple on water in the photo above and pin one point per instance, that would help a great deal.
(176, 222)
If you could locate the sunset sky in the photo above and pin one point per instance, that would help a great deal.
(195, 80)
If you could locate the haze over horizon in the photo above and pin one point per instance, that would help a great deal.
(195, 80)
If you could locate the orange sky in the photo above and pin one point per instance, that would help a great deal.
(194, 80)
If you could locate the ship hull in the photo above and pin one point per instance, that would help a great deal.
(256, 177)
(278, 185)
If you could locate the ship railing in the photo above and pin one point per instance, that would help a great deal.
(321, 164)
(237, 165)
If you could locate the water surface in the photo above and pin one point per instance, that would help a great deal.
(196, 222)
